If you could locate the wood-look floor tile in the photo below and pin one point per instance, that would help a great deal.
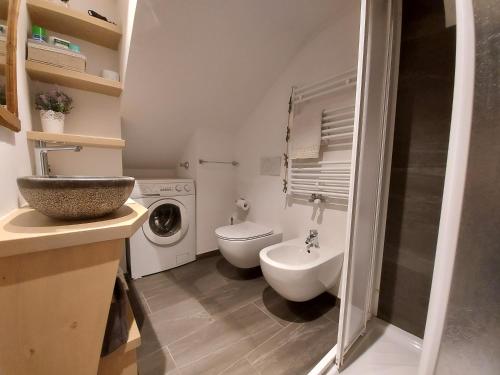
(242, 367)
(232, 273)
(161, 332)
(232, 296)
(152, 282)
(181, 309)
(198, 286)
(208, 316)
(158, 363)
(295, 349)
(226, 359)
(286, 312)
(169, 296)
(225, 331)
(191, 271)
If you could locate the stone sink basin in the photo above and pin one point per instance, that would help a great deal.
(75, 197)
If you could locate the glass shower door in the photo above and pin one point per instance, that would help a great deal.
(374, 64)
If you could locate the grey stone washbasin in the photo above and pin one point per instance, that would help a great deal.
(75, 197)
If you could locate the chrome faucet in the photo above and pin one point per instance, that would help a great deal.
(312, 240)
(41, 156)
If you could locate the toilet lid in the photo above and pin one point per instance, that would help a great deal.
(243, 231)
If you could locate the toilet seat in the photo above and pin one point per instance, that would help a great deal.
(243, 231)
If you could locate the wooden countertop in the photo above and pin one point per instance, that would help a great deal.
(25, 230)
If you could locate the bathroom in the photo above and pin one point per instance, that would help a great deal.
(303, 171)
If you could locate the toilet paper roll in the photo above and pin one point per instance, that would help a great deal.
(243, 204)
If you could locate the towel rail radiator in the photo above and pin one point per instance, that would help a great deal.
(324, 87)
(329, 179)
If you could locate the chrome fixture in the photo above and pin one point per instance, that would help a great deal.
(41, 156)
(315, 196)
(234, 163)
(312, 240)
(184, 164)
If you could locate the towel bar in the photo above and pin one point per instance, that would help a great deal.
(234, 163)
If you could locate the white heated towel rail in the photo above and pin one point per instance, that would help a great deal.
(328, 178)
(337, 126)
(325, 86)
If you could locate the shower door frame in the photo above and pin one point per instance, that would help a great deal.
(387, 115)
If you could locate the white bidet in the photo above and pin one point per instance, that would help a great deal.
(299, 275)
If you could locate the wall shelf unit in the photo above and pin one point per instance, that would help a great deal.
(69, 78)
(75, 23)
(75, 139)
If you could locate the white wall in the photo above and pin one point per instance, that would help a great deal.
(215, 183)
(332, 51)
(150, 173)
(197, 64)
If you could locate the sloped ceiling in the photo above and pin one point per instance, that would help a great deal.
(206, 63)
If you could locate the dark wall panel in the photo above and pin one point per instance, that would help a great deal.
(422, 126)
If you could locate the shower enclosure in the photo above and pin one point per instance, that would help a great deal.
(378, 59)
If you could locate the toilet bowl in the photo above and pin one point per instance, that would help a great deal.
(298, 275)
(241, 243)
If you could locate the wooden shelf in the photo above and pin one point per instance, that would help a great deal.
(67, 21)
(74, 139)
(69, 78)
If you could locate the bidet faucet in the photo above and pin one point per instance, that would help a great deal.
(312, 240)
(41, 157)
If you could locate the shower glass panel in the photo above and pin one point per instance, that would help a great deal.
(371, 113)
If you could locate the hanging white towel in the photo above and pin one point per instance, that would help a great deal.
(305, 132)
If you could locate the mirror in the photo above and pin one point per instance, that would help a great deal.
(9, 13)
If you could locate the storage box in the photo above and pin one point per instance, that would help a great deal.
(62, 58)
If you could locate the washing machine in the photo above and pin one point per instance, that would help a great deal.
(168, 238)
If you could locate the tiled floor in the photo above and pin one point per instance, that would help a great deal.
(208, 317)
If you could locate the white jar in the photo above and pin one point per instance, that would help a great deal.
(52, 122)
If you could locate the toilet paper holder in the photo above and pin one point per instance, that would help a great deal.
(242, 204)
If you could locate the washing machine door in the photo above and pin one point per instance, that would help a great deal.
(167, 223)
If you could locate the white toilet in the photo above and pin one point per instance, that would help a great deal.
(241, 243)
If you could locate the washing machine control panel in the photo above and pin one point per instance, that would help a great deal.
(145, 188)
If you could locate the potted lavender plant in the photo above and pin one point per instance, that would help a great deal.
(53, 105)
